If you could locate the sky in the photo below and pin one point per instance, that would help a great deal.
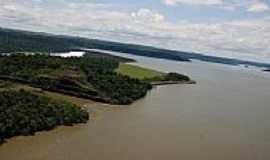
(227, 28)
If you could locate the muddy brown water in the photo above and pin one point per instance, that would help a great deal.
(225, 116)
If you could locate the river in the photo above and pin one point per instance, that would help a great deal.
(225, 116)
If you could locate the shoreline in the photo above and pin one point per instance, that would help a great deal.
(84, 96)
(162, 83)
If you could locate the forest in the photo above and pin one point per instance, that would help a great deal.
(25, 41)
(24, 113)
(86, 77)
(26, 62)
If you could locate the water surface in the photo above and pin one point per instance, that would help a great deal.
(225, 116)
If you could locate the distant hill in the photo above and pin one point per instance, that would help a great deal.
(25, 41)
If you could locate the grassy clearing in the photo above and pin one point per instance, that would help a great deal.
(137, 72)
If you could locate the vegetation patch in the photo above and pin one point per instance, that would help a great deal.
(137, 72)
(5, 85)
(24, 113)
(151, 76)
(89, 77)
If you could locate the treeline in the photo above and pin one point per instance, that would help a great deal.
(24, 41)
(173, 77)
(86, 77)
(100, 54)
(119, 88)
(24, 113)
(20, 41)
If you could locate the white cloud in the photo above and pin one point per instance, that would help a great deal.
(193, 2)
(248, 38)
(145, 15)
(258, 7)
(9, 7)
(170, 2)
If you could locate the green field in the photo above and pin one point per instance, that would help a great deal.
(137, 72)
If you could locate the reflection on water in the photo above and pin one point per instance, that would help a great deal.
(224, 116)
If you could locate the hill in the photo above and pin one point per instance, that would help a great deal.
(25, 41)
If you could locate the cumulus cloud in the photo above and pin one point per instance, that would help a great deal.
(249, 38)
(145, 15)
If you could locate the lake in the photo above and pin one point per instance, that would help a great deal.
(225, 116)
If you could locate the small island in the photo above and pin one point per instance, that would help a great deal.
(29, 82)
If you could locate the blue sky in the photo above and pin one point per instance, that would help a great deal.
(192, 12)
(229, 28)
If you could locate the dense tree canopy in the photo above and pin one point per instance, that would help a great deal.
(24, 113)
(175, 77)
(87, 77)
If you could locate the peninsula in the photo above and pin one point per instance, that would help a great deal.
(28, 82)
